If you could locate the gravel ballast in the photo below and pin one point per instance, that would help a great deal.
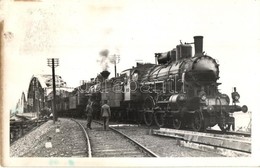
(68, 142)
(163, 146)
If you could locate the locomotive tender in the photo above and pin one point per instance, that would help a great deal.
(181, 90)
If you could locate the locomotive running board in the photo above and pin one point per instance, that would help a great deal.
(124, 125)
(227, 146)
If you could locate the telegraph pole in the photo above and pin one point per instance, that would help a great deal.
(53, 63)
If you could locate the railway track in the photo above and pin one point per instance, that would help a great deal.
(111, 143)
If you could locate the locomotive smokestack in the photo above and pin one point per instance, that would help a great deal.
(105, 74)
(198, 43)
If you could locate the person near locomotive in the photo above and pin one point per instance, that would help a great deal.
(89, 111)
(105, 113)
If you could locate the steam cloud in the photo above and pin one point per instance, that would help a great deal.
(104, 53)
(105, 59)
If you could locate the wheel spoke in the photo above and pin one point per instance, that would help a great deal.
(148, 118)
(197, 122)
(159, 119)
(176, 122)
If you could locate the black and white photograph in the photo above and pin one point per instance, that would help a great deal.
(127, 83)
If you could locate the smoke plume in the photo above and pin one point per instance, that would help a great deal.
(105, 59)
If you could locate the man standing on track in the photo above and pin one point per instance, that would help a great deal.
(89, 111)
(105, 113)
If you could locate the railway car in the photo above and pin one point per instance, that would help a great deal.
(71, 104)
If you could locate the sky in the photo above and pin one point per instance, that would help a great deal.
(76, 32)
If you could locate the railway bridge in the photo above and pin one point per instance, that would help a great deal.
(40, 90)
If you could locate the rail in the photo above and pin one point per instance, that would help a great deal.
(86, 136)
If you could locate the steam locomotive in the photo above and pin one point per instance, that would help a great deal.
(181, 90)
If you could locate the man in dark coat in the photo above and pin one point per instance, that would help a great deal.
(89, 111)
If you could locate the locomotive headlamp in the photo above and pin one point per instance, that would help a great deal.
(235, 96)
(203, 97)
(210, 109)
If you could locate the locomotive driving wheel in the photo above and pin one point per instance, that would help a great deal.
(197, 121)
(159, 118)
(148, 106)
(148, 118)
(176, 122)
